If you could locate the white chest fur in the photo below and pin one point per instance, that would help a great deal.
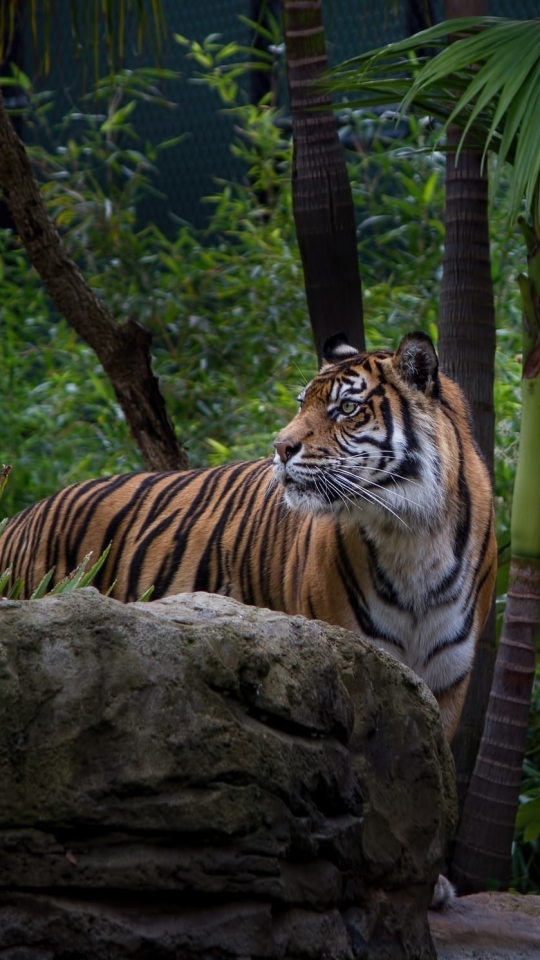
(418, 597)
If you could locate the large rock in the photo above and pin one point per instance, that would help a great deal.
(193, 778)
(488, 926)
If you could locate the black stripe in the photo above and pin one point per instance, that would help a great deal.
(462, 635)
(383, 585)
(73, 517)
(118, 528)
(269, 515)
(179, 525)
(178, 482)
(233, 502)
(388, 419)
(357, 599)
(209, 481)
(408, 426)
(476, 587)
(451, 686)
(380, 368)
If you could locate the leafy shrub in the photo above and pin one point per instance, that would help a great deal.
(232, 343)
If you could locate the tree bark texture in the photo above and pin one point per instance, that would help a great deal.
(467, 313)
(467, 353)
(322, 198)
(122, 349)
(484, 844)
(467, 738)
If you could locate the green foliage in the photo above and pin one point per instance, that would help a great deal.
(232, 342)
(78, 578)
(487, 81)
(59, 416)
(528, 818)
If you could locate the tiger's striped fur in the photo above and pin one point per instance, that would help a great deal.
(378, 518)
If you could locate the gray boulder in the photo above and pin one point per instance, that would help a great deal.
(193, 778)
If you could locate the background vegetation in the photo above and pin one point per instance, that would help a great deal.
(232, 341)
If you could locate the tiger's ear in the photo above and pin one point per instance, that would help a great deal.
(337, 348)
(417, 363)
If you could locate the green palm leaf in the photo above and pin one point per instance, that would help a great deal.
(487, 81)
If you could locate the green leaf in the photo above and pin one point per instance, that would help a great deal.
(173, 142)
(5, 471)
(72, 581)
(86, 580)
(4, 579)
(487, 82)
(528, 819)
(119, 117)
(16, 590)
(429, 188)
(41, 588)
(144, 597)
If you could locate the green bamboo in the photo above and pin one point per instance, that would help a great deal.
(525, 525)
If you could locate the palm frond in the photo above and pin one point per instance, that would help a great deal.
(487, 82)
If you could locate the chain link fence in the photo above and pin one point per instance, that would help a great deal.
(188, 171)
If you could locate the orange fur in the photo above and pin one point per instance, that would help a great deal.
(378, 520)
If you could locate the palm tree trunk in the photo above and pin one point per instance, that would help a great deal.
(484, 843)
(467, 314)
(467, 353)
(322, 199)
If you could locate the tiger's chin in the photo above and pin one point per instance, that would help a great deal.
(305, 497)
(304, 500)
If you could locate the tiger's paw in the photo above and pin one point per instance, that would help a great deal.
(443, 894)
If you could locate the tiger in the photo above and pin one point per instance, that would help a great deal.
(375, 515)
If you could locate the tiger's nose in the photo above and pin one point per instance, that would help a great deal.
(285, 449)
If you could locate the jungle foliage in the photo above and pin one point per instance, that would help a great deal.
(232, 342)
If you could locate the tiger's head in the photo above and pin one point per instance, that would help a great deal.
(366, 432)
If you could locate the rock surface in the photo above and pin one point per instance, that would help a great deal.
(488, 926)
(193, 778)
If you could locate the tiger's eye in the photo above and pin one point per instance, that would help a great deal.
(348, 406)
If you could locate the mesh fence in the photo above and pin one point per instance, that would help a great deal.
(188, 172)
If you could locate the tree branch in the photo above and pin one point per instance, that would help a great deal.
(122, 349)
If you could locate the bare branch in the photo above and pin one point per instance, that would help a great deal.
(123, 349)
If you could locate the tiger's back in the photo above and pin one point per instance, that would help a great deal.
(175, 532)
(378, 518)
(221, 530)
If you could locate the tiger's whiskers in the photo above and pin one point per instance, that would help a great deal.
(347, 477)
